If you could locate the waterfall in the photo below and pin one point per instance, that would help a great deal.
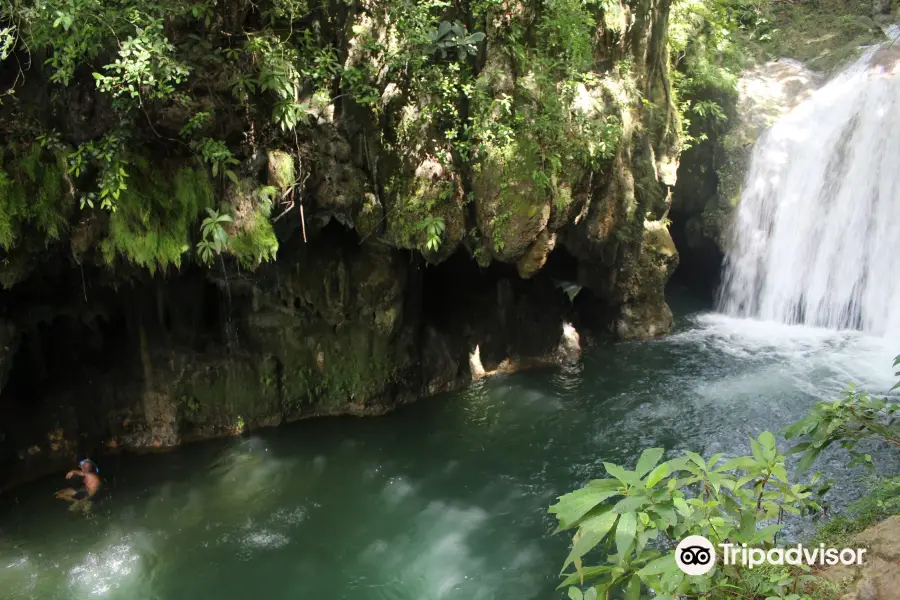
(816, 238)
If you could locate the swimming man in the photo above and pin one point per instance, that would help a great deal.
(90, 482)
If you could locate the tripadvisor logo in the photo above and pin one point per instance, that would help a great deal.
(695, 555)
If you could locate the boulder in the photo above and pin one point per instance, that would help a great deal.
(878, 578)
(644, 313)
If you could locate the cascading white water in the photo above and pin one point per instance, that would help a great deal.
(816, 238)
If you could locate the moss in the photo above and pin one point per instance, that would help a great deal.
(881, 502)
(255, 241)
(220, 394)
(430, 192)
(353, 367)
(155, 217)
(33, 195)
(824, 34)
(281, 169)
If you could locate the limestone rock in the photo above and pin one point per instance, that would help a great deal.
(878, 578)
(882, 539)
(644, 312)
(340, 187)
(433, 191)
(536, 256)
(704, 196)
(510, 209)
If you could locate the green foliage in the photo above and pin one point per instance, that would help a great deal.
(218, 156)
(154, 218)
(854, 417)
(824, 34)
(643, 513)
(882, 499)
(449, 37)
(433, 228)
(632, 520)
(278, 76)
(33, 195)
(255, 240)
(7, 40)
(214, 239)
(191, 407)
(145, 67)
(107, 158)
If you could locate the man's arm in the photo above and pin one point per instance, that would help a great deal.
(78, 472)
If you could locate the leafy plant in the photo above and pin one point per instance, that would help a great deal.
(107, 154)
(218, 156)
(433, 228)
(145, 66)
(854, 417)
(450, 37)
(632, 520)
(214, 238)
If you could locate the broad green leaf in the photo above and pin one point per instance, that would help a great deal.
(649, 458)
(682, 507)
(231, 175)
(744, 481)
(588, 573)
(630, 504)
(767, 440)
(798, 448)
(779, 473)
(657, 475)
(806, 461)
(626, 477)
(748, 526)
(666, 513)
(696, 459)
(574, 505)
(634, 589)
(757, 450)
(658, 566)
(591, 594)
(593, 530)
(575, 594)
(741, 462)
(626, 531)
(766, 533)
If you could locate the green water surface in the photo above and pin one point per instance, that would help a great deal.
(445, 499)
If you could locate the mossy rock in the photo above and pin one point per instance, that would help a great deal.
(218, 395)
(432, 191)
(252, 238)
(280, 169)
(644, 312)
(510, 207)
(824, 34)
(537, 254)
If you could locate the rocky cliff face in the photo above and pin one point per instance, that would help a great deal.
(712, 173)
(370, 252)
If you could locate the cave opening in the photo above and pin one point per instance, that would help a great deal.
(700, 259)
(494, 309)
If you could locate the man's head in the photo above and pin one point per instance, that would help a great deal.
(88, 466)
